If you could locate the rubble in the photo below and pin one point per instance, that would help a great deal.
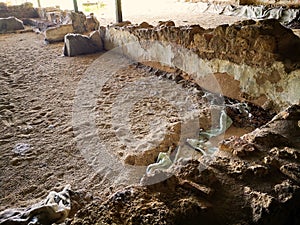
(225, 189)
(259, 62)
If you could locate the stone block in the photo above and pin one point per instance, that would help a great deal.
(78, 22)
(58, 33)
(10, 24)
(77, 44)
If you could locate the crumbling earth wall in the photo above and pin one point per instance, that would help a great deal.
(251, 55)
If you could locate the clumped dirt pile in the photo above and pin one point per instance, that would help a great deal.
(253, 180)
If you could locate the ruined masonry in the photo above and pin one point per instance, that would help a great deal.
(253, 56)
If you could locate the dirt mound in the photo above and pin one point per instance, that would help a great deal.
(259, 188)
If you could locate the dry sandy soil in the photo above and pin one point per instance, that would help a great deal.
(37, 90)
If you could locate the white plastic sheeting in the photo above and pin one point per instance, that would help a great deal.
(284, 15)
(54, 209)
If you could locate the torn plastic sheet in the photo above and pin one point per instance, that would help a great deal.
(224, 123)
(202, 145)
(54, 209)
(163, 162)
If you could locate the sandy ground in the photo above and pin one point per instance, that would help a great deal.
(37, 90)
(38, 149)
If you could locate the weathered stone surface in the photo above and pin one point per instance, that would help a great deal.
(92, 23)
(95, 37)
(55, 34)
(77, 44)
(78, 22)
(238, 147)
(261, 203)
(282, 130)
(253, 53)
(286, 191)
(10, 24)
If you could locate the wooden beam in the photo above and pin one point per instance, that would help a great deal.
(75, 5)
(119, 16)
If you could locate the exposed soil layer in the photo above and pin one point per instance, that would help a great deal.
(256, 183)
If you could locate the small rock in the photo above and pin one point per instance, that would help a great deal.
(78, 22)
(258, 170)
(286, 190)
(291, 170)
(169, 23)
(21, 148)
(122, 24)
(261, 203)
(51, 126)
(145, 25)
(15, 161)
(238, 146)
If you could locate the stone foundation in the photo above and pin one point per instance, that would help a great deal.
(263, 65)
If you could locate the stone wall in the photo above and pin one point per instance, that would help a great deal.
(25, 10)
(265, 65)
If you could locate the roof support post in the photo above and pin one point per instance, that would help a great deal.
(119, 16)
(75, 5)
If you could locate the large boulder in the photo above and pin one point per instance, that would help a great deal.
(55, 34)
(77, 44)
(10, 24)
